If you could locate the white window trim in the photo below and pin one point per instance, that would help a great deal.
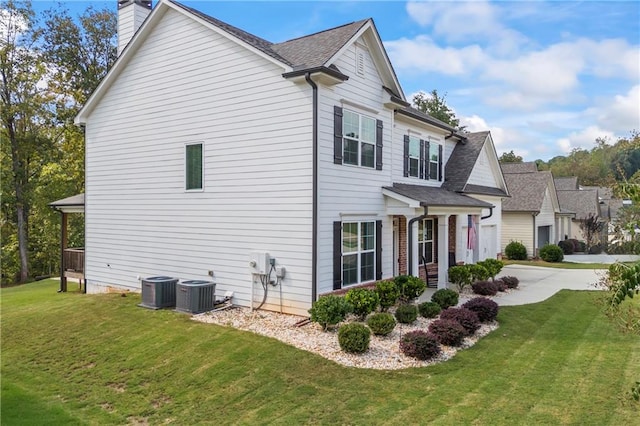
(186, 166)
(359, 140)
(416, 139)
(359, 252)
(424, 241)
(437, 151)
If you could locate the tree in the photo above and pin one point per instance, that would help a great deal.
(436, 106)
(510, 157)
(22, 112)
(592, 228)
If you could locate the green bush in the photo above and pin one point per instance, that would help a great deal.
(429, 309)
(329, 310)
(445, 298)
(406, 313)
(516, 251)
(478, 272)
(419, 344)
(460, 276)
(388, 294)
(493, 266)
(410, 287)
(354, 338)
(551, 253)
(363, 301)
(566, 246)
(381, 323)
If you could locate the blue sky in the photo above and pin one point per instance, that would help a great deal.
(543, 76)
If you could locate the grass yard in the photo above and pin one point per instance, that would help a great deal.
(87, 359)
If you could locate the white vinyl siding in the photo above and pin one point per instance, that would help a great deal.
(257, 156)
(518, 227)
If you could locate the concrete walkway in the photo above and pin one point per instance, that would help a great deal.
(601, 258)
(536, 284)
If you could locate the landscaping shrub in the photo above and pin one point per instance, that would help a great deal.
(388, 294)
(510, 281)
(551, 253)
(486, 309)
(500, 285)
(460, 276)
(419, 344)
(465, 317)
(363, 301)
(445, 298)
(329, 310)
(354, 337)
(429, 309)
(493, 266)
(409, 286)
(566, 246)
(516, 251)
(485, 288)
(578, 246)
(381, 323)
(447, 332)
(406, 313)
(478, 272)
(597, 249)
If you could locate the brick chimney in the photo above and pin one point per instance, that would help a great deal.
(131, 14)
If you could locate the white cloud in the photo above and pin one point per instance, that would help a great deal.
(583, 139)
(621, 114)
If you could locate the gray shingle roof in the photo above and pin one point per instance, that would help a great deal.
(306, 52)
(462, 160)
(527, 191)
(582, 202)
(74, 200)
(566, 183)
(434, 196)
(529, 167)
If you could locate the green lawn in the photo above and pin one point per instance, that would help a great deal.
(84, 359)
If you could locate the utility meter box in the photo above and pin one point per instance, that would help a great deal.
(259, 263)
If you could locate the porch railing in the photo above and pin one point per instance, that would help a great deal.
(74, 259)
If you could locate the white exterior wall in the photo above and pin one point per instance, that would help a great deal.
(256, 132)
(350, 193)
(130, 18)
(482, 173)
(547, 217)
(518, 227)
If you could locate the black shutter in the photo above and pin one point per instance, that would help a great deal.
(421, 168)
(378, 249)
(378, 144)
(337, 255)
(406, 155)
(440, 163)
(337, 135)
(427, 163)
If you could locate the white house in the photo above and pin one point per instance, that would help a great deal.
(208, 148)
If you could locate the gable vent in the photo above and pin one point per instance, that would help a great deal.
(359, 62)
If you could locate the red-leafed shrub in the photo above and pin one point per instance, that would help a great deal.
(465, 317)
(485, 288)
(447, 332)
(511, 282)
(501, 285)
(486, 309)
(419, 344)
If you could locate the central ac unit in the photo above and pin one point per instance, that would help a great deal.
(195, 297)
(158, 292)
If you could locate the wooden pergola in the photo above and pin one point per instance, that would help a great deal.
(71, 259)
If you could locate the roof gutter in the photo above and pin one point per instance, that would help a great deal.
(410, 237)
(314, 231)
(306, 72)
(436, 123)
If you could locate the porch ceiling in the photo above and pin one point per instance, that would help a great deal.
(436, 200)
(73, 204)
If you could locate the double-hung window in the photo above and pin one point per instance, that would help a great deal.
(193, 167)
(434, 160)
(414, 156)
(358, 252)
(359, 132)
(425, 241)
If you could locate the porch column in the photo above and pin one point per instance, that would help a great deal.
(415, 263)
(443, 250)
(63, 246)
(476, 246)
(461, 238)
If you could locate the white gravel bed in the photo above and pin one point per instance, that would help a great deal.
(383, 354)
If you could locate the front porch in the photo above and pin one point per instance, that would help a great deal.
(71, 259)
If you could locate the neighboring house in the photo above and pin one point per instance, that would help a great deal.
(208, 147)
(587, 201)
(532, 215)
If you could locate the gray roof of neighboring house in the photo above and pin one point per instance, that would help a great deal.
(582, 202)
(566, 183)
(614, 207)
(306, 52)
(434, 196)
(604, 193)
(529, 167)
(462, 160)
(527, 191)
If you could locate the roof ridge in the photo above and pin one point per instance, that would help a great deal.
(322, 31)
